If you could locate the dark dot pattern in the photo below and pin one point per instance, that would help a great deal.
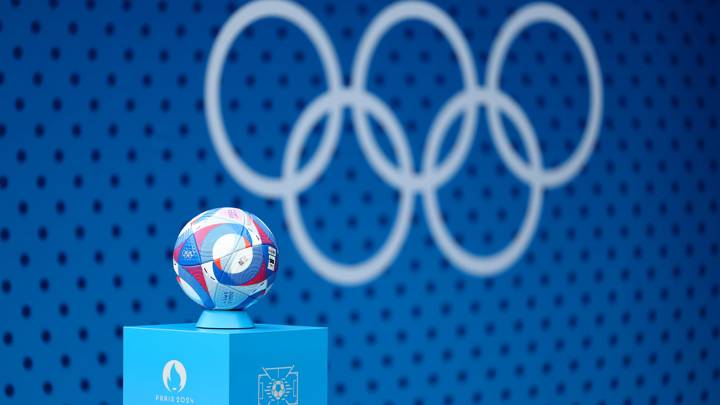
(105, 155)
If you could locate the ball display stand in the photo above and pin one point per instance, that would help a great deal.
(213, 319)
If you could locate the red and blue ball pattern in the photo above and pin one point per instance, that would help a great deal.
(225, 259)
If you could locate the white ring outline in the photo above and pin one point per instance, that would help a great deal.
(519, 21)
(485, 265)
(271, 187)
(389, 17)
(340, 273)
(403, 177)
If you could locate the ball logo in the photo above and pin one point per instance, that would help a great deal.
(174, 376)
(434, 171)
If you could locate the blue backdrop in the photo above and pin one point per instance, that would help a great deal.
(611, 294)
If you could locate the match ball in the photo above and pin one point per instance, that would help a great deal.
(225, 259)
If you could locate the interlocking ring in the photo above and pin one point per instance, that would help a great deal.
(433, 174)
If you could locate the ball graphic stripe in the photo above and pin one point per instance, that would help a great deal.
(266, 236)
(261, 269)
(247, 302)
(226, 297)
(189, 281)
(197, 274)
(190, 292)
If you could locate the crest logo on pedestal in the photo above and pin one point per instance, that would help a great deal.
(278, 386)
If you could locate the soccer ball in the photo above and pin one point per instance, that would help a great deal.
(225, 258)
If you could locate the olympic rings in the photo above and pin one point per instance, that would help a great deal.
(403, 176)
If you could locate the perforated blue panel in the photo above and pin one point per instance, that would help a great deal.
(614, 297)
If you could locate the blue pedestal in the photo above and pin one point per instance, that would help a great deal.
(264, 365)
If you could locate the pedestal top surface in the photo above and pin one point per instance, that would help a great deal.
(259, 328)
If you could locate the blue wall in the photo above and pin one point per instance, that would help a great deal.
(614, 297)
